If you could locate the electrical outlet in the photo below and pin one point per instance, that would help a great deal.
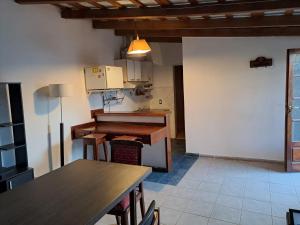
(160, 101)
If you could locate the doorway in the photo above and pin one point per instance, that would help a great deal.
(179, 102)
(292, 131)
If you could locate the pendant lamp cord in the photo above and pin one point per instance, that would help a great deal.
(136, 33)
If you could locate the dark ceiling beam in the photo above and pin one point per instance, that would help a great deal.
(137, 3)
(59, 6)
(222, 32)
(95, 3)
(164, 39)
(266, 21)
(175, 11)
(289, 12)
(115, 4)
(77, 5)
(163, 2)
(257, 14)
(47, 1)
(193, 2)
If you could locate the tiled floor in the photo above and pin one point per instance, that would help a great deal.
(226, 192)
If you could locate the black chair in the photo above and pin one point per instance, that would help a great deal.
(152, 216)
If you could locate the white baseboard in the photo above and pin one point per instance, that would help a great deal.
(241, 159)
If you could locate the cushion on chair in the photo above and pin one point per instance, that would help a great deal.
(124, 204)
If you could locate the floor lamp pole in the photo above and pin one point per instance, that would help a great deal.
(62, 150)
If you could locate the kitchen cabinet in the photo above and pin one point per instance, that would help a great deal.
(137, 70)
(128, 70)
(134, 70)
(147, 71)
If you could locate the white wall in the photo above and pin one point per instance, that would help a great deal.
(165, 56)
(230, 109)
(38, 48)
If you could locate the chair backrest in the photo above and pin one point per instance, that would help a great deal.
(127, 152)
(149, 218)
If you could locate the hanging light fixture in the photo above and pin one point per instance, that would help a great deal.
(138, 46)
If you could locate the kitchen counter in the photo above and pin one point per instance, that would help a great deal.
(150, 126)
(144, 112)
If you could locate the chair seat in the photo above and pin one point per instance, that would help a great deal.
(124, 203)
(125, 138)
(94, 136)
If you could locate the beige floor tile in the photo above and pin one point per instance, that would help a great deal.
(250, 218)
(226, 214)
(199, 208)
(169, 216)
(230, 201)
(257, 206)
(218, 222)
(190, 219)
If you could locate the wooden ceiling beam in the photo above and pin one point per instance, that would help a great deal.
(163, 2)
(48, 1)
(115, 4)
(77, 5)
(92, 2)
(257, 14)
(58, 6)
(137, 3)
(222, 32)
(164, 39)
(95, 3)
(289, 12)
(175, 11)
(193, 2)
(266, 21)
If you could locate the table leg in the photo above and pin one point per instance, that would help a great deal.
(95, 151)
(85, 151)
(133, 220)
(168, 150)
(105, 151)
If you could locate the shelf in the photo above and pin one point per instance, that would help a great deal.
(9, 172)
(9, 124)
(11, 146)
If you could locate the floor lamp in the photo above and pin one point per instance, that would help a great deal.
(60, 91)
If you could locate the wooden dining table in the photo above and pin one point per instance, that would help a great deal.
(80, 193)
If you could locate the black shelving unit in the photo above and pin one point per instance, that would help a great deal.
(13, 140)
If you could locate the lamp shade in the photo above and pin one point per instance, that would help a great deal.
(138, 46)
(60, 90)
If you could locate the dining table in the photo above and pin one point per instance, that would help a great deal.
(80, 193)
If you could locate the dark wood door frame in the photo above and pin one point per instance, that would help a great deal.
(290, 164)
(178, 99)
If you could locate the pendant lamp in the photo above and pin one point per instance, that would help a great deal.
(138, 46)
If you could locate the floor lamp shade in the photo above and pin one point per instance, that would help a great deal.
(60, 91)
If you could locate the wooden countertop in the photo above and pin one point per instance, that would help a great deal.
(155, 133)
(126, 128)
(150, 113)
